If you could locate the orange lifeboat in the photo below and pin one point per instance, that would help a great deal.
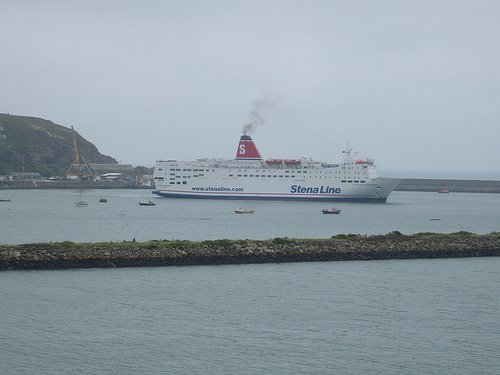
(274, 161)
(292, 162)
(365, 161)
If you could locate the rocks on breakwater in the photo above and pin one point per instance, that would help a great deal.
(174, 253)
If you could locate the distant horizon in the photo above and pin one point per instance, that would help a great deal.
(440, 174)
(429, 173)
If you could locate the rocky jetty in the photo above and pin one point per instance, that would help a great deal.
(176, 253)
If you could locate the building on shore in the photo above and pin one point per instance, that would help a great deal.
(26, 176)
(113, 172)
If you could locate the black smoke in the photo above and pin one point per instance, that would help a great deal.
(260, 108)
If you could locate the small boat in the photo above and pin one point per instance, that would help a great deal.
(443, 191)
(243, 211)
(330, 211)
(79, 202)
(103, 200)
(147, 203)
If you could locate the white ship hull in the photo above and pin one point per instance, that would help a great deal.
(376, 191)
(255, 179)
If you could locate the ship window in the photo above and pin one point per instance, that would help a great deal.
(257, 175)
(201, 174)
(184, 182)
(362, 182)
(281, 175)
(160, 169)
(251, 175)
(268, 175)
(239, 175)
(356, 181)
(299, 171)
(230, 175)
(245, 175)
(195, 175)
(287, 171)
(178, 182)
(342, 181)
(275, 175)
(349, 180)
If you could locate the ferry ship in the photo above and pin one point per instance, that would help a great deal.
(249, 176)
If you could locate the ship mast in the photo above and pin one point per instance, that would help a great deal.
(348, 157)
(76, 168)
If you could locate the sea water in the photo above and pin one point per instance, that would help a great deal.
(437, 316)
(429, 316)
(51, 215)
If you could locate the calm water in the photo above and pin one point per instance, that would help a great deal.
(363, 317)
(51, 215)
(377, 317)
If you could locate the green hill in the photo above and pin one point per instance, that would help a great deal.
(31, 144)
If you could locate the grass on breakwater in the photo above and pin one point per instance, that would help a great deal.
(393, 245)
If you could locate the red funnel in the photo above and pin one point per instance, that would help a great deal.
(247, 150)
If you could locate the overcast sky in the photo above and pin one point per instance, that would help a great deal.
(413, 84)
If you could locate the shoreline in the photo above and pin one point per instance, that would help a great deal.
(406, 184)
(69, 255)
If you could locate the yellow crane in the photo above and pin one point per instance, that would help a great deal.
(78, 167)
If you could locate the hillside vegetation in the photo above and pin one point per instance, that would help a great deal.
(31, 144)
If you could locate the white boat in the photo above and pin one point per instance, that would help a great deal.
(147, 203)
(249, 176)
(79, 202)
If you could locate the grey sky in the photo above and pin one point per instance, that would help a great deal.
(413, 84)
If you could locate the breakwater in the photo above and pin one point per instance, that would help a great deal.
(454, 186)
(182, 253)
